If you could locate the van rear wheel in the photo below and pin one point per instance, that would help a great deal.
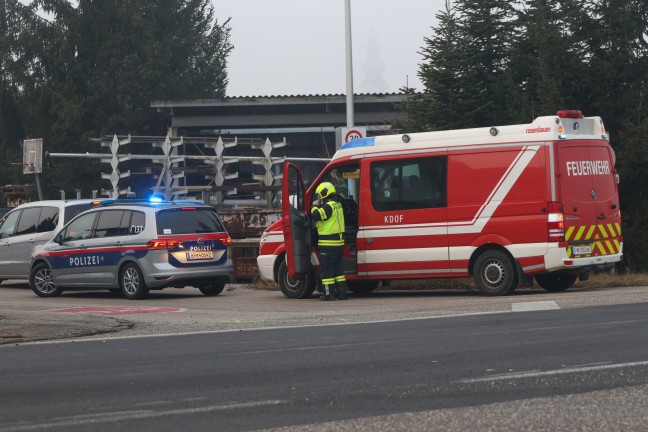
(556, 282)
(494, 273)
(292, 288)
(131, 281)
(212, 289)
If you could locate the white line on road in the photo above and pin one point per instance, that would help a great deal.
(535, 374)
(111, 417)
(534, 306)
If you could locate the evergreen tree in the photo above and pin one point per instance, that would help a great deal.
(103, 62)
(19, 27)
(440, 73)
(617, 36)
(486, 31)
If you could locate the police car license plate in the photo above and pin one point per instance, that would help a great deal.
(200, 255)
(581, 250)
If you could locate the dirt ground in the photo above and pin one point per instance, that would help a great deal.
(34, 327)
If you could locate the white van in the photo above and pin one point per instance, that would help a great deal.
(30, 225)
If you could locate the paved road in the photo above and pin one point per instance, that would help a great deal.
(561, 369)
(27, 317)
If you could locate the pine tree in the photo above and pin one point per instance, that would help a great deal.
(99, 64)
(486, 31)
(440, 73)
(618, 40)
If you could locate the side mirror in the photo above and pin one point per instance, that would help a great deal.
(58, 239)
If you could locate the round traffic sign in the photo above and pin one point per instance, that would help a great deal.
(352, 135)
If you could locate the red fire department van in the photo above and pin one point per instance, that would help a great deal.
(502, 205)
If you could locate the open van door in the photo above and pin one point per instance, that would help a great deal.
(296, 223)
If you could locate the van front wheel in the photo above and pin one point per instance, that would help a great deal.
(295, 289)
(494, 273)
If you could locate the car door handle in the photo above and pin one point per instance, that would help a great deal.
(601, 216)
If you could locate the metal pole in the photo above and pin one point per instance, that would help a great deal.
(38, 186)
(349, 64)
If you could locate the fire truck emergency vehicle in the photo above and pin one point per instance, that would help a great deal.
(502, 205)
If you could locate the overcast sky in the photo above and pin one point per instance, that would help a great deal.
(296, 47)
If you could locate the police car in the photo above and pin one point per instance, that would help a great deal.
(135, 246)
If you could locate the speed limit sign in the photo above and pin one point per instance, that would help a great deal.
(349, 134)
(353, 134)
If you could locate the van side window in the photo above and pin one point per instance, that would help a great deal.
(408, 184)
(108, 223)
(9, 223)
(28, 221)
(48, 219)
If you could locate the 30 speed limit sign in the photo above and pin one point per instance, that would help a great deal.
(353, 134)
(345, 134)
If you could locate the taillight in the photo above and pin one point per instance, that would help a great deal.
(556, 222)
(226, 240)
(158, 244)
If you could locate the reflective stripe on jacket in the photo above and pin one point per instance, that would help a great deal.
(329, 220)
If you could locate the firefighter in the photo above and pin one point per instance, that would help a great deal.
(328, 215)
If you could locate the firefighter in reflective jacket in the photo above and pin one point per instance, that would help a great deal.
(328, 215)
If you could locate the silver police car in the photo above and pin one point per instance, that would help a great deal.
(135, 246)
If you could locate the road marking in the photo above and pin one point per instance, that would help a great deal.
(118, 310)
(535, 374)
(534, 306)
(112, 417)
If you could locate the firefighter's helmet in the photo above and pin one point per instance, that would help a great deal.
(325, 189)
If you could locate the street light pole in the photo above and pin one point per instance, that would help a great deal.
(349, 64)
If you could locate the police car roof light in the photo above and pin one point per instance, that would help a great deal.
(577, 114)
(123, 202)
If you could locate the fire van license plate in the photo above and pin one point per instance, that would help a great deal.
(581, 250)
(200, 255)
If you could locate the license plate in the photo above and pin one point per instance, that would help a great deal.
(581, 250)
(200, 255)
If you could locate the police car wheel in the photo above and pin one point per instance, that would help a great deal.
(556, 282)
(494, 273)
(41, 281)
(212, 289)
(295, 289)
(131, 281)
